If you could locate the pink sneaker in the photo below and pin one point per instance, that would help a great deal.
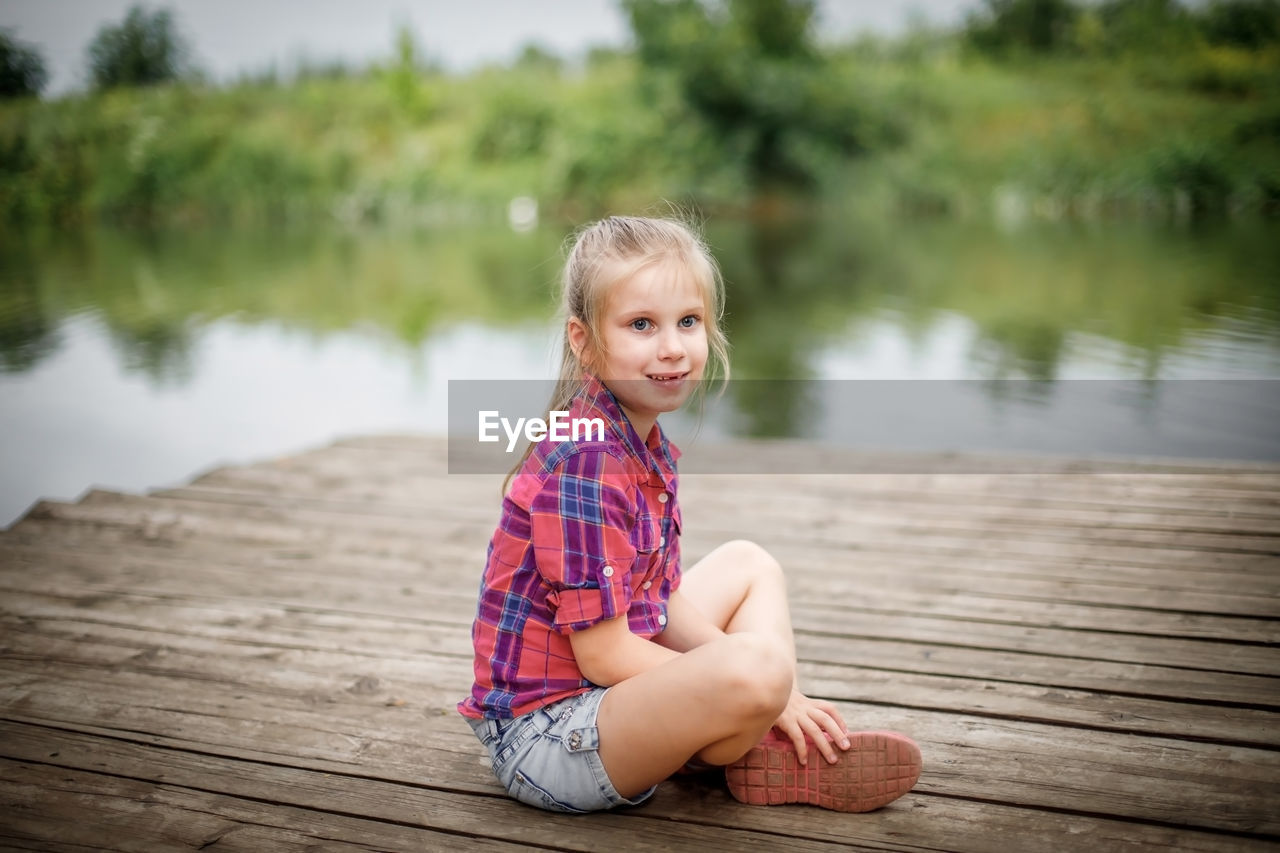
(878, 768)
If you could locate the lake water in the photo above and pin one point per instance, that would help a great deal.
(135, 360)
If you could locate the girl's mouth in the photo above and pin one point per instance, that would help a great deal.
(667, 378)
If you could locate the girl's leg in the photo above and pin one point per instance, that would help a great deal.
(740, 587)
(718, 700)
(729, 692)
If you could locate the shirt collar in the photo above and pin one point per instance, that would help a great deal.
(657, 455)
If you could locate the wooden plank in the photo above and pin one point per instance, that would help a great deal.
(1092, 645)
(1135, 777)
(1028, 515)
(60, 807)
(1230, 535)
(1260, 657)
(282, 523)
(1169, 615)
(238, 641)
(462, 673)
(683, 814)
(338, 465)
(1134, 680)
(1171, 594)
(851, 524)
(1184, 605)
(1211, 490)
(285, 524)
(931, 592)
(890, 651)
(1257, 534)
(1088, 496)
(1180, 594)
(411, 558)
(975, 695)
(1091, 502)
(403, 816)
(922, 589)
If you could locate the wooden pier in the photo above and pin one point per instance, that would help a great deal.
(269, 658)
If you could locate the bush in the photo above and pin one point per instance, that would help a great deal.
(143, 50)
(1194, 174)
(1227, 70)
(515, 124)
(22, 71)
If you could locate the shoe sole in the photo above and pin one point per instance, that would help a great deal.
(878, 768)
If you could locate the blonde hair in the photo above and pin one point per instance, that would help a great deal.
(606, 253)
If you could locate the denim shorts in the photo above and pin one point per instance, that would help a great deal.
(549, 758)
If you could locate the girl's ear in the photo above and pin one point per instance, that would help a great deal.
(577, 333)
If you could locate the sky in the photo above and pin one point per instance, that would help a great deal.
(230, 37)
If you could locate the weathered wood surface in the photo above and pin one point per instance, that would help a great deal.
(268, 658)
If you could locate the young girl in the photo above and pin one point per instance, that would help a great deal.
(601, 669)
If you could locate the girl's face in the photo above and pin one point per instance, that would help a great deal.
(655, 341)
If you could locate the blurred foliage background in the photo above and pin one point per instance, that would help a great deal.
(1042, 108)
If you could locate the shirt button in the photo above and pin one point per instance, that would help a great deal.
(662, 618)
(647, 584)
(662, 541)
(608, 571)
(662, 498)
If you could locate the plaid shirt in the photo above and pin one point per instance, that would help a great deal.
(589, 531)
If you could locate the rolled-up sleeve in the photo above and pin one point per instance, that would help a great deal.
(581, 518)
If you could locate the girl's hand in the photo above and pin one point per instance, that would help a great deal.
(817, 718)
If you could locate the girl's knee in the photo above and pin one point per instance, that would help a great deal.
(758, 674)
(753, 558)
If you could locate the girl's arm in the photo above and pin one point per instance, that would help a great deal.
(608, 652)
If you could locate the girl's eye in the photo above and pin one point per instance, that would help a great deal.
(689, 322)
(641, 325)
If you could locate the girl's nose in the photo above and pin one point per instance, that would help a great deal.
(670, 346)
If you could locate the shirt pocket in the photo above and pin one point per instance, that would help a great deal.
(671, 527)
(646, 534)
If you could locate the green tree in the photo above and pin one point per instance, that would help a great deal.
(749, 70)
(22, 70)
(1035, 26)
(535, 57)
(1145, 25)
(142, 50)
(405, 74)
(1244, 23)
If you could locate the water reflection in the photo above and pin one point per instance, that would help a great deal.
(796, 288)
(25, 339)
(1035, 297)
(822, 297)
(153, 290)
